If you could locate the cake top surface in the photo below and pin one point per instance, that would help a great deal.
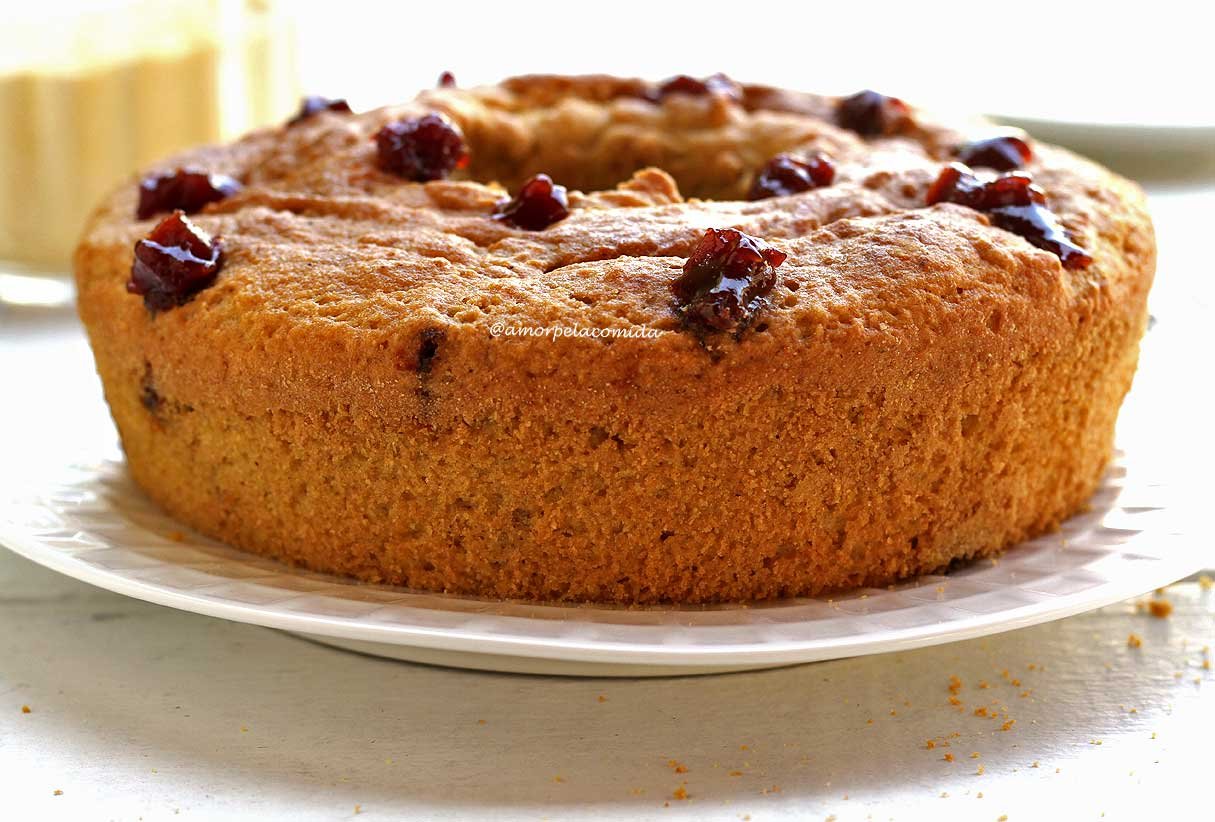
(323, 230)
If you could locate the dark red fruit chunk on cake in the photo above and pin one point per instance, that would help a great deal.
(314, 104)
(716, 84)
(188, 189)
(872, 114)
(1005, 153)
(1040, 226)
(725, 278)
(173, 263)
(421, 148)
(1014, 189)
(539, 203)
(785, 174)
(1013, 203)
(956, 184)
(447, 80)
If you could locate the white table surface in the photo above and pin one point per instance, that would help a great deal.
(141, 712)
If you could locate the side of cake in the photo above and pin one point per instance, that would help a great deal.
(879, 387)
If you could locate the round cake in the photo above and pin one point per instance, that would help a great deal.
(599, 339)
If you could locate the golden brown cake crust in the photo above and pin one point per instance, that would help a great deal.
(923, 387)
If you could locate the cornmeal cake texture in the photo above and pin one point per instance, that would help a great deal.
(598, 339)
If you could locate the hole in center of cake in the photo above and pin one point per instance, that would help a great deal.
(603, 161)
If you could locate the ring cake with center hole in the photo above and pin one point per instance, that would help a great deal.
(598, 339)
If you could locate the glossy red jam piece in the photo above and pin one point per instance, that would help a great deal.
(1012, 202)
(1013, 189)
(188, 189)
(725, 279)
(539, 203)
(786, 174)
(1005, 153)
(447, 80)
(173, 263)
(956, 184)
(1042, 228)
(716, 85)
(315, 104)
(422, 148)
(872, 114)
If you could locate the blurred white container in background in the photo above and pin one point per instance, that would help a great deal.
(92, 91)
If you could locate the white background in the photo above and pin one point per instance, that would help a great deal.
(1103, 61)
(139, 712)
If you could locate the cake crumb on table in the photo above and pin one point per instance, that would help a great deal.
(1134, 641)
(680, 793)
(25, 709)
(1160, 608)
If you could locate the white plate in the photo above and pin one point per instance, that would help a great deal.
(1101, 139)
(92, 523)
